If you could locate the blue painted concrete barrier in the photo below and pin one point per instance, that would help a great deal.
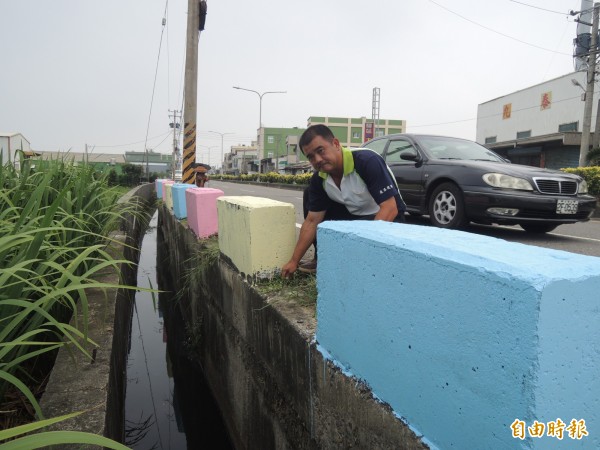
(159, 185)
(471, 340)
(179, 206)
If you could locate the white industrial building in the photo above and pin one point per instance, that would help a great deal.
(10, 143)
(538, 126)
(240, 158)
(542, 125)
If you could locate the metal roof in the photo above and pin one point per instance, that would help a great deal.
(92, 157)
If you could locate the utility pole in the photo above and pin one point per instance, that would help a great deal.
(175, 159)
(596, 139)
(589, 92)
(222, 158)
(195, 24)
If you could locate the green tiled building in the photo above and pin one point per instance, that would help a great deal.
(354, 131)
(279, 149)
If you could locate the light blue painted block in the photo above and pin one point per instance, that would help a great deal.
(179, 208)
(159, 185)
(462, 334)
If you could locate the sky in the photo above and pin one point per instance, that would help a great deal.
(108, 75)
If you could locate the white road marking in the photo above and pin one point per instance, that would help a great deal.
(506, 227)
(576, 237)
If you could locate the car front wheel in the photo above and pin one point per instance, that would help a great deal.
(537, 227)
(446, 207)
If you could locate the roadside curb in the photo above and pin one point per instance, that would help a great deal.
(296, 187)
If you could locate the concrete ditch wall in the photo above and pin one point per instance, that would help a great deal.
(98, 386)
(273, 386)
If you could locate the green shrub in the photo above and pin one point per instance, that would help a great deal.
(591, 175)
(271, 177)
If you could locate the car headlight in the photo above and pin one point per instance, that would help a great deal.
(501, 180)
(583, 187)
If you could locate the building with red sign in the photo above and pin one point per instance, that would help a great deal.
(354, 131)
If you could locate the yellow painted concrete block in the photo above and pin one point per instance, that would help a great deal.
(169, 195)
(257, 234)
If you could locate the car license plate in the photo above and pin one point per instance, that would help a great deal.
(567, 206)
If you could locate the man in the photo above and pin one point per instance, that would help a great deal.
(346, 185)
(201, 176)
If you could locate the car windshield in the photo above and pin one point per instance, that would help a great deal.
(450, 148)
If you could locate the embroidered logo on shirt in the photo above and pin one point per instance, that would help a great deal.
(387, 188)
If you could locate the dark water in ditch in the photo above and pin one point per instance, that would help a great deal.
(168, 404)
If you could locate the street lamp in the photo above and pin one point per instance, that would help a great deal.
(577, 83)
(260, 96)
(222, 134)
(209, 149)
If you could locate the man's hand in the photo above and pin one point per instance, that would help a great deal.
(308, 231)
(289, 269)
(387, 210)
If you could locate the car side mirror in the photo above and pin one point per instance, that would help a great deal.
(410, 155)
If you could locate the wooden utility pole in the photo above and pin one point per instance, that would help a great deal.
(175, 158)
(195, 24)
(589, 91)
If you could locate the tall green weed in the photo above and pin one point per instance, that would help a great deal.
(54, 226)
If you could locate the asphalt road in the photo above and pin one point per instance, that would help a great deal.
(583, 238)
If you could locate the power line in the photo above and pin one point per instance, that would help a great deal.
(498, 32)
(552, 57)
(166, 15)
(442, 123)
(525, 108)
(164, 22)
(164, 139)
(134, 143)
(537, 7)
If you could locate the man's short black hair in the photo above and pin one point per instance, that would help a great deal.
(312, 132)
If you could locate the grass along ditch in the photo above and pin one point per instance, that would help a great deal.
(55, 223)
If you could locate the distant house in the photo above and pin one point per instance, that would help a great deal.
(10, 143)
(240, 159)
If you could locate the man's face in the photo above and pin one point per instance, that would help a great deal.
(324, 156)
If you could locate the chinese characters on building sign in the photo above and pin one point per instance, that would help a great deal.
(546, 101)
(369, 131)
(555, 428)
(506, 110)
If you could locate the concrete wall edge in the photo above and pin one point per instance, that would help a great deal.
(273, 386)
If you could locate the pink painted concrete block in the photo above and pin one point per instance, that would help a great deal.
(201, 204)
